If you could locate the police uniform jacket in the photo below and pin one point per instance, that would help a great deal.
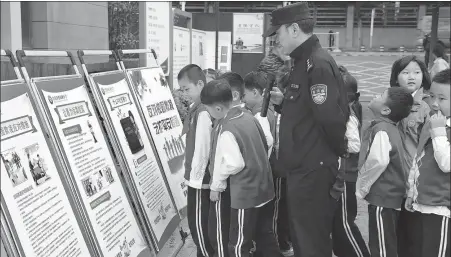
(313, 113)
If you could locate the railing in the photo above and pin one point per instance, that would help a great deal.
(402, 17)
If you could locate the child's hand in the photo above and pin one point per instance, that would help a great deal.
(408, 204)
(438, 120)
(214, 196)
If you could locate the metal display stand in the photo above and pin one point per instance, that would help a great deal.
(117, 75)
(120, 55)
(38, 86)
(6, 229)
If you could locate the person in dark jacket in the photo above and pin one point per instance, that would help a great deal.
(382, 178)
(346, 236)
(314, 113)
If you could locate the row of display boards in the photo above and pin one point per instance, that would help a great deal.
(64, 191)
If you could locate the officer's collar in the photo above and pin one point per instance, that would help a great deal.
(305, 49)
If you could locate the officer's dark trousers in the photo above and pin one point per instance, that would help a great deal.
(383, 224)
(197, 214)
(254, 224)
(281, 225)
(219, 224)
(346, 236)
(409, 233)
(311, 209)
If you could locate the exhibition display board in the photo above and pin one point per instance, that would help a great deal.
(198, 47)
(116, 99)
(247, 32)
(181, 52)
(155, 32)
(160, 114)
(82, 142)
(31, 186)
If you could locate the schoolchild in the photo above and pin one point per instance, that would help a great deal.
(382, 178)
(254, 84)
(197, 127)
(241, 157)
(429, 179)
(411, 73)
(346, 237)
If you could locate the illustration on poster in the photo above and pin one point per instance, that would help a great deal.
(17, 171)
(91, 129)
(175, 152)
(97, 181)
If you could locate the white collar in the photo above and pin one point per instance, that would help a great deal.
(414, 93)
(448, 122)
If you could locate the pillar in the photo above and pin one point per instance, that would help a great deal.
(11, 26)
(349, 26)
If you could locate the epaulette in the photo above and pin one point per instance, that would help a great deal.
(310, 64)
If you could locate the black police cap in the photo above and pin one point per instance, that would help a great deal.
(286, 15)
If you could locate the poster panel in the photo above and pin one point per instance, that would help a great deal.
(122, 111)
(165, 127)
(102, 193)
(181, 52)
(224, 47)
(31, 186)
(247, 32)
(198, 47)
(155, 29)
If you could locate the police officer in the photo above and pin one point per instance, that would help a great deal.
(314, 113)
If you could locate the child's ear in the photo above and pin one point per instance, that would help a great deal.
(256, 92)
(385, 111)
(235, 95)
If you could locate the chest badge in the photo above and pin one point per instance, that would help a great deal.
(309, 65)
(319, 93)
(294, 86)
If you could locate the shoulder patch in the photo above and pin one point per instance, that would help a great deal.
(309, 64)
(319, 93)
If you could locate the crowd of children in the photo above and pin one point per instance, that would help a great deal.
(399, 164)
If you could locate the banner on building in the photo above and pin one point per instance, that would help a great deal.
(247, 32)
(116, 98)
(155, 32)
(82, 142)
(163, 120)
(198, 47)
(32, 189)
(181, 52)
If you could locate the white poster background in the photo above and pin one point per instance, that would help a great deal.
(181, 52)
(172, 160)
(247, 32)
(105, 200)
(198, 47)
(41, 214)
(144, 167)
(156, 32)
(224, 46)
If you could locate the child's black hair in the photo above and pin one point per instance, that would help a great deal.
(235, 81)
(193, 72)
(443, 77)
(439, 51)
(400, 64)
(216, 92)
(352, 93)
(400, 102)
(211, 72)
(256, 80)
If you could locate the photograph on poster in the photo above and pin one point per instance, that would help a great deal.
(14, 167)
(132, 133)
(37, 164)
(97, 181)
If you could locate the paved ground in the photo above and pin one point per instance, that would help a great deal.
(373, 75)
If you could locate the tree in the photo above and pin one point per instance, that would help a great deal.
(123, 25)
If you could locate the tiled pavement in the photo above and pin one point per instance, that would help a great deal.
(373, 75)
